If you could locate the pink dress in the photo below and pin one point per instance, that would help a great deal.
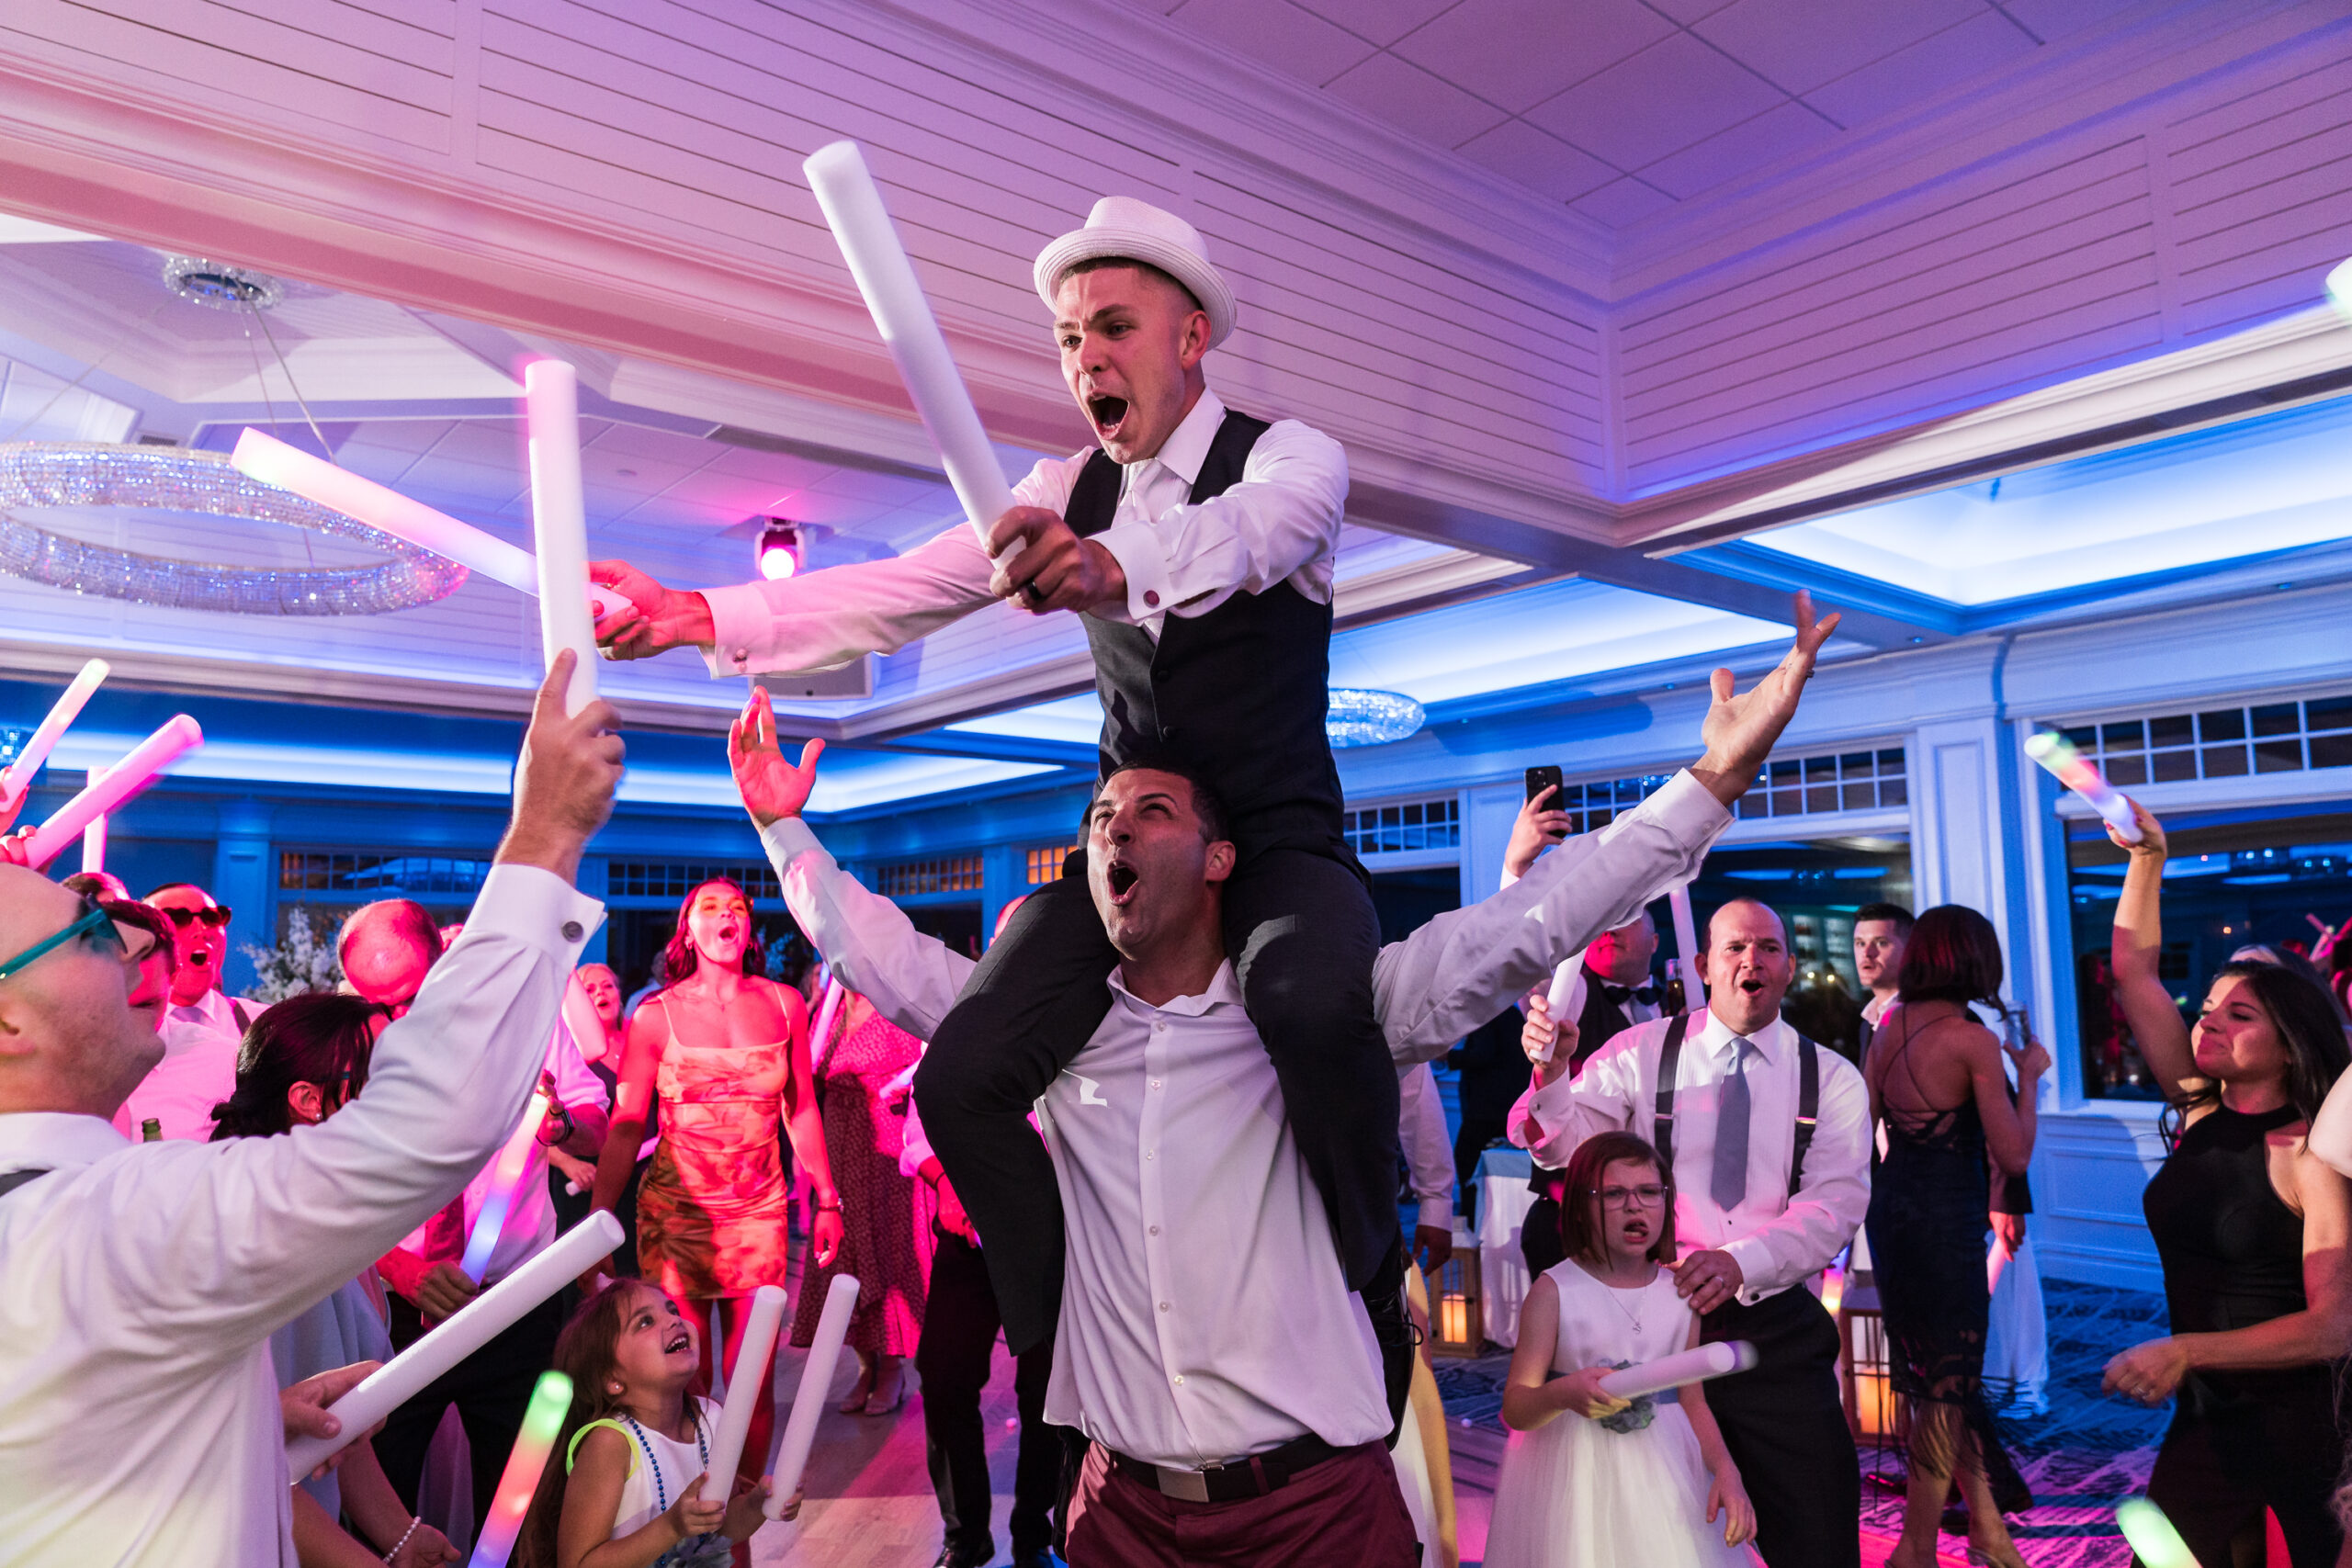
(710, 1213)
(886, 1217)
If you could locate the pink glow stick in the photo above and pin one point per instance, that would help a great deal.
(559, 522)
(270, 460)
(17, 777)
(816, 1385)
(542, 1420)
(140, 767)
(743, 1386)
(94, 837)
(2058, 757)
(506, 1176)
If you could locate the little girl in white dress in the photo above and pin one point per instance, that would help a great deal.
(1591, 1481)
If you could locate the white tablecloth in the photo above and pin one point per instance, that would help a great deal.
(1503, 1202)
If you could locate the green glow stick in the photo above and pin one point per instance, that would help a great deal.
(2151, 1535)
(542, 1421)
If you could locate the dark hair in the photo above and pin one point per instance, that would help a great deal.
(1895, 913)
(2290, 959)
(322, 1038)
(586, 1352)
(2309, 1027)
(1208, 802)
(1579, 1237)
(1104, 264)
(147, 918)
(1953, 955)
(679, 958)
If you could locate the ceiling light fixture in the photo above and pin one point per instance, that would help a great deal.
(779, 553)
(43, 474)
(1371, 718)
(221, 286)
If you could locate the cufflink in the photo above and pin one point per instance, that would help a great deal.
(574, 930)
(1151, 597)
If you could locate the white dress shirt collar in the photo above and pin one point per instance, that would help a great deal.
(1772, 1041)
(1186, 448)
(1223, 990)
(55, 1140)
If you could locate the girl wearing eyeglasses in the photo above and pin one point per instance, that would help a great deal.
(1647, 1480)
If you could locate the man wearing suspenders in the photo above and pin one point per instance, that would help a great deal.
(1768, 1139)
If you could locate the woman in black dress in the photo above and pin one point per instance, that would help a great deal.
(2256, 1237)
(1939, 1089)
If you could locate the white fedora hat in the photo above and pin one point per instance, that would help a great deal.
(1136, 231)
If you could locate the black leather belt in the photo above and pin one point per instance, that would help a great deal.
(1243, 1478)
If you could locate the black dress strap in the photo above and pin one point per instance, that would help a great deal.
(1669, 1059)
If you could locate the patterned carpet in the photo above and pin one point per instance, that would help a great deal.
(2087, 1454)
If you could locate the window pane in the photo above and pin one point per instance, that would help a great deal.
(2173, 731)
(2166, 766)
(2226, 724)
(2278, 718)
(2277, 756)
(2124, 771)
(2126, 734)
(2224, 761)
(2328, 713)
(1893, 792)
(1861, 797)
(2331, 751)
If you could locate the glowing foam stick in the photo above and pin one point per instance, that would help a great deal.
(94, 837)
(270, 460)
(743, 1386)
(815, 1384)
(505, 1177)
(2151, 1535)
(17, 777)
(820, 1033)
(1566, 999)
(474, 1325)
(2339, 289)
(1695, 1365)
(559, 522)
(542, 1421)
(1688, 964)
(869, 242)
(107, 791)
(2057, 755)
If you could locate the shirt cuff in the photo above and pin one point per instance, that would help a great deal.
(1549, 1107)
(787, 839)
(537, 905)
(1142, 554)
(738, 615)
(1755, 1270)
(1437, 1213)
(1687, 809)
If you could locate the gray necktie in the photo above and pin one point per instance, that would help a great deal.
(1730, 1182)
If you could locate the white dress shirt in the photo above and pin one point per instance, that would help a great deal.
(1205, 1314)
(197, 1072)
(139, 1284)
(530, 1224)
(1776, 1241)
(1280, 521)
(1429, 1152)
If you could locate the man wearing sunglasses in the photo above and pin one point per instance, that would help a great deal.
(201, 1028)
(140, 1420)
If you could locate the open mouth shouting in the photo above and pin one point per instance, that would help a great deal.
(1121, 878)
(1637, 1230)
(679, 1341)
(1108, 414)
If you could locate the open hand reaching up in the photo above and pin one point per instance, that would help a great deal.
(1740, 731)
(771, 788)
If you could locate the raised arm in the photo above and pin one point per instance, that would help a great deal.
(2147, 1007)
(867, 941)
(219, 1244)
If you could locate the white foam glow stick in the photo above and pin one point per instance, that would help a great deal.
(17, 777)
(2151, 1536)
(1566, 999)
(475, 1324)
(1688, 966)
(2058, 757)
(816, 1386)
(821, 1032)
(559, 522)
(505, 1177)
(869, 242)
(744, 1385)
(270, 460)
(107, 791)
(2339, 289)
(94, 837)
(1694, 1365)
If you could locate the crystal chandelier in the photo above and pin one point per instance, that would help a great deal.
(40, 474)
(1370, 718)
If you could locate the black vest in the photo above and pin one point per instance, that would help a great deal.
(1238, 695)
(1601, 1020)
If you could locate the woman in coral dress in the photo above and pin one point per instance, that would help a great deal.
(728, 1051)
(887, 1239)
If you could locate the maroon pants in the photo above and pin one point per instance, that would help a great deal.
(1343, 1513)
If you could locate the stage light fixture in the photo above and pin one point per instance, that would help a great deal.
(778, 553)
